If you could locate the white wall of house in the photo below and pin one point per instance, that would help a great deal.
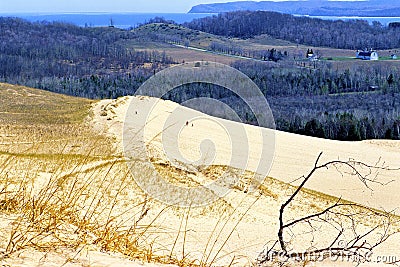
(374, 56)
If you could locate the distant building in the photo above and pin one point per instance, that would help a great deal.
(367, 55)
(311, 56)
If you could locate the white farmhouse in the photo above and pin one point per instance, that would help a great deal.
(367, 55)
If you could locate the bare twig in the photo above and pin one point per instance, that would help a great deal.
(342, 216)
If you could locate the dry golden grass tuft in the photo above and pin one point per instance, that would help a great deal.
(61, 180)
(24, 106)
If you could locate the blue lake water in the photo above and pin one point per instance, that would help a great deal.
(127, 20)
(120, 20)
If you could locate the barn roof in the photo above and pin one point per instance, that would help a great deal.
(365, 53)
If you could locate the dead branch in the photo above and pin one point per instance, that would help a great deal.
(342, 216)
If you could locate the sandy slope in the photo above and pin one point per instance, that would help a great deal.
(293, 156)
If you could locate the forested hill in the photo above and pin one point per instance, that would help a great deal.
(353, 34)
(310, 7)
(64, 58)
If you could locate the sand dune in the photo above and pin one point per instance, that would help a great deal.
(187, 140)
(189, 148)
(293, 155)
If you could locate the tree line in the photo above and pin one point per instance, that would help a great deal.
(286, 80)
(347, 117)
(231, 49)
(352, 34)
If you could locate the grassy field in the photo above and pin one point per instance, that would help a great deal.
(337, 58)
(340, 59)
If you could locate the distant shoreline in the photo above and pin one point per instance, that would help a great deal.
(125, 20)
(382, 19)
(122, 20)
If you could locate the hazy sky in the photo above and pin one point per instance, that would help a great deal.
(153, 6)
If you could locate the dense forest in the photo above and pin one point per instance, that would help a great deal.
(354, 103)
(353, 34)
(60, 57)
